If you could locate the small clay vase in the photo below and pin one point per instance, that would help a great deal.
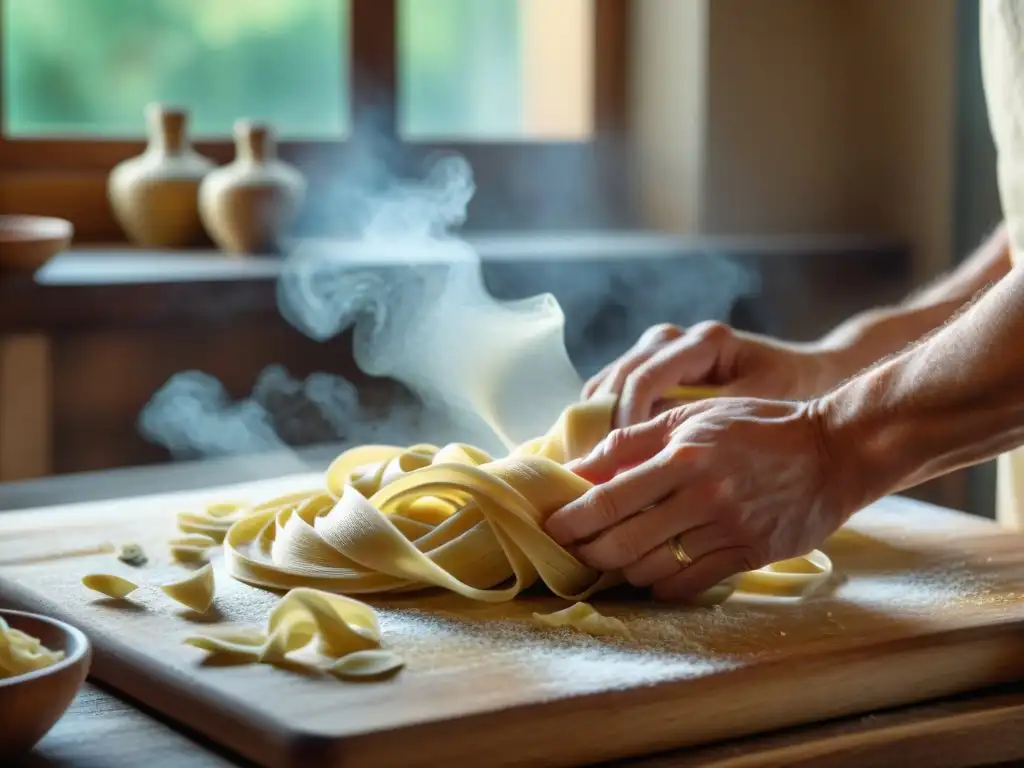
(246, 205)
(155, 196)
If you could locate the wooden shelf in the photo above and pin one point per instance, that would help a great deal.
(118, 287)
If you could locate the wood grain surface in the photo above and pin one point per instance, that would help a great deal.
(928, 604)
(102, 730)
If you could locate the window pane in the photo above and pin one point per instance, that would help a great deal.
(88, 67)
(496, 69)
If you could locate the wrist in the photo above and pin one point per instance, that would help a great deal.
(863, 444)
(825, 368)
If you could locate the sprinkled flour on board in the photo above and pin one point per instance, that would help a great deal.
(442, 641)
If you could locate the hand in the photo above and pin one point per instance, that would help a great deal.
(743, 483)
(744, 365)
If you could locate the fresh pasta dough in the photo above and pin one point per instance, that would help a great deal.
(396, 519)
(191, 549)
(585, 618)
(195, 591)
(339, 628)
(109, 585)
(21, 653)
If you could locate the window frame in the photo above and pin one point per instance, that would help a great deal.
(67, 177)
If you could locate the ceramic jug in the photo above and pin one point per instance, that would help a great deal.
(247, 205)
(155, 196)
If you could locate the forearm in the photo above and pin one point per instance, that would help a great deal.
(868, 337)
(952, 400)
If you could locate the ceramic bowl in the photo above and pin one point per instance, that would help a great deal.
(31, 704)
(28, 242)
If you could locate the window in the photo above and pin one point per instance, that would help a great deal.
(496, 69)
(85, 69)
(91, 73)
(517, 86)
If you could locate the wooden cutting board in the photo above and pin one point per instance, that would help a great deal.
(929, 602)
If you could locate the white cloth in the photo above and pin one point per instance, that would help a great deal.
(1002, 58)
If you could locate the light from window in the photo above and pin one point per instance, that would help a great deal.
(88, 67)
(496, 69)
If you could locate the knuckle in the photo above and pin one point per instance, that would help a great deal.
(603, 507)
(712, 330)
(622, 371)
(636, 389)
(642, 379)
(735, 531)
(615, 550)
(675, 417)
(722, 492)
(662, 332)
(750, 559)
(678, 453)
(616, 440)
(635, 576)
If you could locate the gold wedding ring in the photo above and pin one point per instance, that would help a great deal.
(678, 552)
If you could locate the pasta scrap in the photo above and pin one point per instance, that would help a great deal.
(21, 653)
(109, 585)
(366, 665)
(195, 592)
(213, 521)
(336, 627)
(132, 554)
(191, 549)
(585, 618)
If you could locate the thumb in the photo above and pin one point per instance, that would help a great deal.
(622, 449)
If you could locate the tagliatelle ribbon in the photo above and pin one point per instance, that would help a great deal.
(343, 630)
(21, 653)
(394, 519)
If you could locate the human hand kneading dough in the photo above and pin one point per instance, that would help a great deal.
(738, 483)
(707, 490)
(741, 364)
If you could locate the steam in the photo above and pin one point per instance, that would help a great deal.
(487, 372)
(480, 370)
(193, 415)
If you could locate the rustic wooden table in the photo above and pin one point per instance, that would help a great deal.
(101, 729)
